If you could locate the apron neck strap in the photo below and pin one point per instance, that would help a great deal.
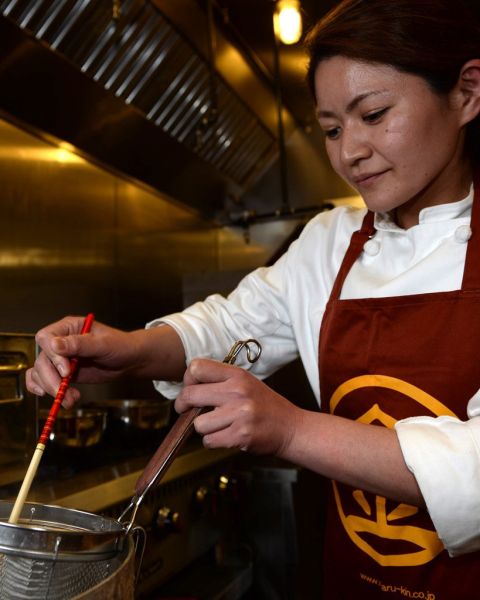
(357, 242)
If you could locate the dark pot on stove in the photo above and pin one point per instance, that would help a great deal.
(77, 428)
(135, 425)
(138, 414)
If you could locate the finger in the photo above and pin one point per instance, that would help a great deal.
(213, 421)
(49, 357)
(64, 327)
(45, 375)
(72, 395)
(62, 349)
(222, 439)
(204, 370)
(69, 327)
(52, 341)
(206, 394)
(31, 385)
(226, 438)
(227, 427)
(43, 378)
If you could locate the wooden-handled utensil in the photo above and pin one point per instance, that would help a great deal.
(47, 429)
(176, 437)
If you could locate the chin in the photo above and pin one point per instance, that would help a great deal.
(379, 206)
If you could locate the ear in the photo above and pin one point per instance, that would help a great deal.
(467, 90)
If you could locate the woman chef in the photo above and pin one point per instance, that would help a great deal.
(382, 305)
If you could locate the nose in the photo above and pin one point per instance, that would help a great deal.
(354, 146)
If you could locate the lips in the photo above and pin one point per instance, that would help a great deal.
(366, 179)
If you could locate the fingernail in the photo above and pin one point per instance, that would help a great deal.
(59, 344)
(62, 369)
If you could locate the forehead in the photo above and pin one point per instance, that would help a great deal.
(340, 79)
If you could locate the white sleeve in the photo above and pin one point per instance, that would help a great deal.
(443, 453)
(280, 306)
(257, 308)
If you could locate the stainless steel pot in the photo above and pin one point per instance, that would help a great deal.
(77, 428)
(138, 414)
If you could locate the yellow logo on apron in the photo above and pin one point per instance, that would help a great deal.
(374, 520)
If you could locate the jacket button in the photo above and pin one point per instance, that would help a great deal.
(372, 248)
(463, 234)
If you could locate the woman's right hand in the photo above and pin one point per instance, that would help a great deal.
(105, 353)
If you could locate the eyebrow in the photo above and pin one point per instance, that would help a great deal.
(350, 106)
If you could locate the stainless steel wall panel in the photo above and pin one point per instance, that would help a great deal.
(76, 238)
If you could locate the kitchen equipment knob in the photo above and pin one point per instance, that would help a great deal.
(201, 494)
(228, 486)
(224, 483)
(168, 520)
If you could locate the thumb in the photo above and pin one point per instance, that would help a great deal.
(65, 348)
(72, 345)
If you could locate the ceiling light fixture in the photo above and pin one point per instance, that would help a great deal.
(288, 21)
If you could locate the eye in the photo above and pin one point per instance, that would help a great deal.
(375, 116)
(333, 133)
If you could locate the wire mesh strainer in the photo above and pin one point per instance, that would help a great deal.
(56, 553)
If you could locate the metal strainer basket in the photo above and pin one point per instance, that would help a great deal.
(56, 553)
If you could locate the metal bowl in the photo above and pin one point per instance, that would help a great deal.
(138, 414)
(77, 428)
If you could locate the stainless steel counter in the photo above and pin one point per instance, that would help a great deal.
(97, 489)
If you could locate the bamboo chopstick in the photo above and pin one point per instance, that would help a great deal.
(47, 429)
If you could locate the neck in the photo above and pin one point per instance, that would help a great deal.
(456, 189)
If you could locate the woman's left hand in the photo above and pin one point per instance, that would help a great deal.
(246, 414)
(249, 415)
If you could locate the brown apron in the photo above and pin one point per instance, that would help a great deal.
(381, 360)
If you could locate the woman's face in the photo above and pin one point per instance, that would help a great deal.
(391, 137)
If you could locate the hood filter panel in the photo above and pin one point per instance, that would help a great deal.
(143, 60)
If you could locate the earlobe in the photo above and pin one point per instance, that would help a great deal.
(469, 89)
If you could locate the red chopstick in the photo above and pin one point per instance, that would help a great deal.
(47, 430)
(62, 389)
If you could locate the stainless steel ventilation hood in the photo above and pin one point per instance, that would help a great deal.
(138, 92)
(132, 93)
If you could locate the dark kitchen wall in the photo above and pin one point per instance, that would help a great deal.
(76, 237)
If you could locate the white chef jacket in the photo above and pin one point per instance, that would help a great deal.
(282, 307)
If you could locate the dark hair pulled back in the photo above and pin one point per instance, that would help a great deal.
(429, 38)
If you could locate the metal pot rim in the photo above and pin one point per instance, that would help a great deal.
(74, 413)
(82, 535)
(132, 403)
